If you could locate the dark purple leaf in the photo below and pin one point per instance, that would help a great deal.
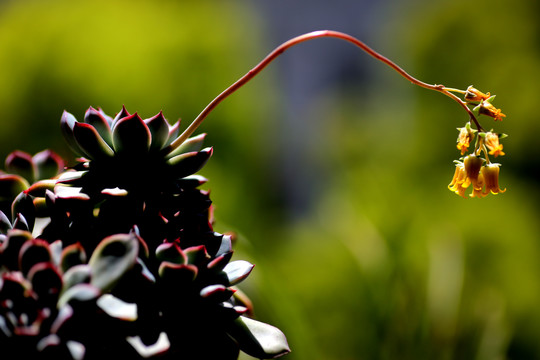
(159, 128)
(131, 136)
(67, 123)
(48, 163)
(20, 163)
(91, 142)
(189, 163)
(100, 123)
(192, 144)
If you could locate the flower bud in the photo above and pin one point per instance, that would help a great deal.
(466, 135)
(486, 108)
(491, 140)
(475, 95)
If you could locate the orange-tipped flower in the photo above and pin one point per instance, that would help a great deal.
(475, 95)
(467, 173)
(486, 108)
(466, 135)
(492, 142)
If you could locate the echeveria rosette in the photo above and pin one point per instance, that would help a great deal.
(23, 171)
(156, 267)
(129, 175)
(49, 294)
(115, 150)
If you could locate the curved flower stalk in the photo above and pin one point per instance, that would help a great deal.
(472, 97)
(123, 241)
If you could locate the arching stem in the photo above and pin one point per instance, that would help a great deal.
(297, 40)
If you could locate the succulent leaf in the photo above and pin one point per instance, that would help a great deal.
(91, 141)
(174, 131)
(78, 274)
(11, 186)
(23, 204)
(32, 252)
(20, 223)
(114, 192)
(258, 339)
(131, 135)
(196, 254)
(71, 177)
(193, 180)
(48, 164)
(70, 192)
(111, 259)
(12, 246)
(67, 123)
(193, 144)
(159, 128)
(45, 280)
(20, 163)
(122, 114)
(170, 252)
(225, 246)
(100, 123)
(189, 163)
(217, 293)
(72, 255)
(178, 272)
(80, 293)
(40, 187)
(5, 224)
(237, 271)
(117, 308)
(220, 261)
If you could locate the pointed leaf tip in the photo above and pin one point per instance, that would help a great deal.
(131, 135)
(122, 114)
(99, 122)
(67, 123)
(159, 128)
(237, 271)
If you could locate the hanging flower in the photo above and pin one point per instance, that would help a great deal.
(459, 182)
(492, 142)
(466, 135)
(483, 178)
(472, 165)
(490, 173)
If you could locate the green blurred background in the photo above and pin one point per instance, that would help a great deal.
(330, 167)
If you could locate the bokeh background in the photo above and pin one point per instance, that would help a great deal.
(331, 168)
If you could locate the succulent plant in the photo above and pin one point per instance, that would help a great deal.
(116, 255)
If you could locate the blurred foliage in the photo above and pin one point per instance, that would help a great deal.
(389, 263)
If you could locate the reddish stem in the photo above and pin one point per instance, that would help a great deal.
(280, 50)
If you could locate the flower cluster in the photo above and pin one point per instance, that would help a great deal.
(474, 171)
